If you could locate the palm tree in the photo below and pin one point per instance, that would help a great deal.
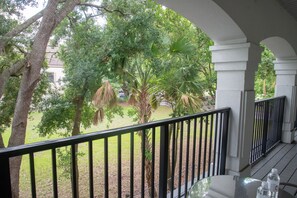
(144, 101)
(180, 88)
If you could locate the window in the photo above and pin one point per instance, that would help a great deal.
(51, 77)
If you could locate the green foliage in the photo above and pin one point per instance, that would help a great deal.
(15, 6)
(265, 76)
(64, 156)
(7, 103)
(57, 114)
(111, 112)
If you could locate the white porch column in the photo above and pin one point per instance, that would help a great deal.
(236, 65)
(286, 82)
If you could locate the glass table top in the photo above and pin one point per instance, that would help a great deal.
(228, 186)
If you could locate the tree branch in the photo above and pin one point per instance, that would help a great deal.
(18, 29)
(66, 9)
(21, 50)
(103, 8)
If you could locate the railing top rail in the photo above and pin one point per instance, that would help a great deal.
(269, 99)
(52, 144)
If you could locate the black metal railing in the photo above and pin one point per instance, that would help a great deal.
(268, 123)
(172, 153)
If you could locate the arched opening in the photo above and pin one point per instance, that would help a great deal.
(276, 76)
(211, 18)
(280, 47)
(274, 49)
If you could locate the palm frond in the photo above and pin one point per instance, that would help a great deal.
(98, 117)
(190, 101)
(105, 96)
(154, 101)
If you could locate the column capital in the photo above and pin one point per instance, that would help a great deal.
(236, 57)
(285, 66)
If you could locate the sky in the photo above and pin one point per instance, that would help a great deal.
(30, 11)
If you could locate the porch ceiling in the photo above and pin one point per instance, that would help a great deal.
(290, 6)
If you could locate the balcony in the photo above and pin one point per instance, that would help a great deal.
(192, 147)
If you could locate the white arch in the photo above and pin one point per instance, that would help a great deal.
(211, 18)
(280, 47)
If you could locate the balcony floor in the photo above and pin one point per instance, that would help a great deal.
(284, 158)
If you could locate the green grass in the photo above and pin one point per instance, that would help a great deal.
(32, 135)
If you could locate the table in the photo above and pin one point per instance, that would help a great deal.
(228, 186)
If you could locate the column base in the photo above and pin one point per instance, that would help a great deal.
(288, 137)
(243, 173)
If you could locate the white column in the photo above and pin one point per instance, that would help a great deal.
(286, 82)
(236, 65)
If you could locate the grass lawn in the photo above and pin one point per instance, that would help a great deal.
(32, 135)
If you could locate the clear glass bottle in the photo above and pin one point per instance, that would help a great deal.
(273, 181)
(263, 191)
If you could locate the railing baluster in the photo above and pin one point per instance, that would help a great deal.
(200, 147)
(106, 184)
(220, 143)
(210, 144)
(164, 156)
(173, 159)
(205, 146)
(194, 151)
(282, 118)
(132, 164)
(142, 161)
(153, 162)
(180, 158)
(73, 170)
(260, 129)
(264, 138)
(215, 145)
(224, 142)
(119, 166)
(32, 175)
(5, 182)
(54, 172)
(187, 156)
(91, 177)
(253, 135)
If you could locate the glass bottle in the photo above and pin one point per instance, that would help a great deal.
(263, 191)
(273, 181)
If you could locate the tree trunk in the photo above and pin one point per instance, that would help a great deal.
(144, 114)
(76, 131)
(148, 165)
(30, 78)
(171, 170)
